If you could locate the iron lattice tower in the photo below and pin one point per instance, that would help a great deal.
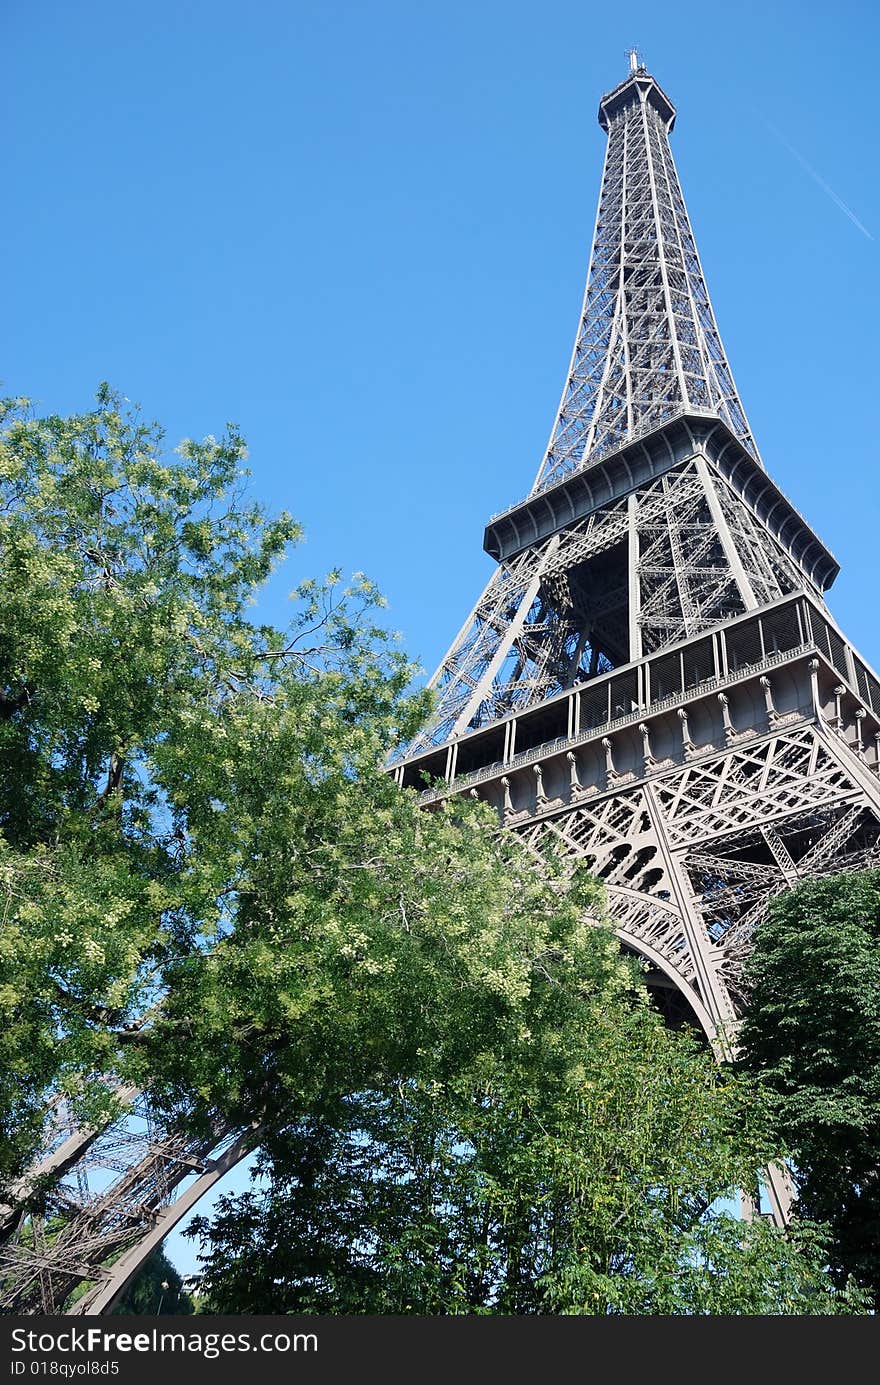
(650, 683)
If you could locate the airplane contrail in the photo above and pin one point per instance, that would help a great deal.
(808, 168)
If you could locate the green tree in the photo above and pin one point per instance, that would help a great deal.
(211, 887)
(812, 1035)
(572, 1169)
(158, 1289)
(127, 650)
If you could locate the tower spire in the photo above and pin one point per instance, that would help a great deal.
(652, 518)
(647, 347)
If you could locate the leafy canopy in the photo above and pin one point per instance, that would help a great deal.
(576, 1168)
(812, 1035)
(132, 678)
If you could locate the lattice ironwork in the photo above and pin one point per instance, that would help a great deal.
(127, 1187)
(649, 571)
(740, 828)
(752, 786)
(647, 346)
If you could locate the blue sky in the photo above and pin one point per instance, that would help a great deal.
(361, 232)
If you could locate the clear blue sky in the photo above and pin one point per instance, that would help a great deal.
(361, 230)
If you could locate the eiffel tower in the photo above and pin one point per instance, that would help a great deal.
(651, 683)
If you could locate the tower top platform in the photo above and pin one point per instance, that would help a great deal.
(639, 85)
(639, 461)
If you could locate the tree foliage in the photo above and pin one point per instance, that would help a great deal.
(211, 887)
(128, 655)
(812, 1035)
(576, 1170)
(158, 1289)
